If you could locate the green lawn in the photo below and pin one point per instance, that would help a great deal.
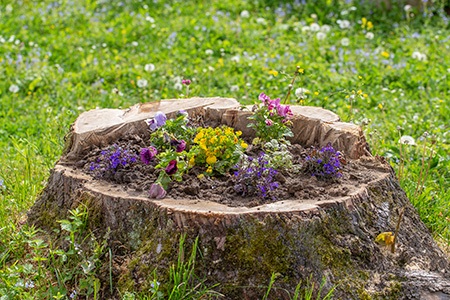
(388, 71)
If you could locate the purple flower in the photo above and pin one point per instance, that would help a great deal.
(157, 191)
(158, 121)
(147, 154)
(273, 104)
(172, 167)
(269, 122)
(264, 98)
(186, 81)
(181, 146)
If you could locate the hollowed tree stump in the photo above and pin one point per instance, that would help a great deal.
(242, 247)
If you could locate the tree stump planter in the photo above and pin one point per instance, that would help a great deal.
(241, 247)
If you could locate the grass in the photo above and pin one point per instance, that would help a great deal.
(60, 58)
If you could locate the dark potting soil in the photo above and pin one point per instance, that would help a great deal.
(137, 178)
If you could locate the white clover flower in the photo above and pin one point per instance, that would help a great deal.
(343, 24)
(306, 28)
(345, 42)
(407, 7)
(235, 58)
(149, 67)
(301, 93)
(419, 56)
(321, 36)
(261, 21)
(370, 35)
(149, 19)
(209, 52)
(134, 43)
(245, 14)
(314, 27)
(234, 88)
(178, 86)
(13, 88)
(325, 28)
(407, 140)
(142, 83)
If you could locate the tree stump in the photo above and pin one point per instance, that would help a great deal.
(241, 247)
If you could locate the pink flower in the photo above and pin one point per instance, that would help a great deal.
(284, 111)
(181, 146)
(269, 122)
(186, 81)
(147, 154)
(157, 191)
(264, 98)
(273, 104)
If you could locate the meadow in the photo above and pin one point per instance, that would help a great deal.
(386, 70)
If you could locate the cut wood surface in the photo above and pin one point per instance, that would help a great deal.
(241, 247)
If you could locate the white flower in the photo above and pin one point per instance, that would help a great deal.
(178, 86)
(149, 19)
(261, 21)
(370, 35)
(343, 24)
(321, 36)
(9, 8)
(234, 88)
(407, 140)
(325, 28)
(142, 83)
(407, 7)
(134, 43)
(13, 88)
(209, 52)
(149, 67)
(419, 56)
(306, 28)
(314, 27)
(301, 93)
(245, 14)
(235, 58)
(345, 42)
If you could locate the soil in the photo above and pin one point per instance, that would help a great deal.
(138, 177)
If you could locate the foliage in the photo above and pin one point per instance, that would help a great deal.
(324, 164)
(254, 176)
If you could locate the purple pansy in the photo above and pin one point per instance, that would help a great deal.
(172, 167)
(147, 154)
(157, 191)
(158, 121)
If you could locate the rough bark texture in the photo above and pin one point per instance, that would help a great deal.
(242, 247)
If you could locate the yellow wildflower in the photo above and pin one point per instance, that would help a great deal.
(244, 145)
(210, 160)
(273, 72)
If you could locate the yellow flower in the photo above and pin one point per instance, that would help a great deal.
(210, 160)
(369, 25)
(385, 54)
(209, 170)
(380, 106)
(273, 72)
(244, 145)
(192, 161)
(200, 176)
(238, 133)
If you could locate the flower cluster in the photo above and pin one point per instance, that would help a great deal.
(271, 120)
(325, 163)
(255, 177)
(112, 159)
(216, 148)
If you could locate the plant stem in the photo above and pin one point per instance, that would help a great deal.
(397, 228)
(291, 85)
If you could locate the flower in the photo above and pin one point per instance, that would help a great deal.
(245, 14)
(209, 52)
(343, 24)
(172, 167)
(147, 154)
(345, 42)
(419, 56)
(284, 111)
(142, 83)
(269, 122)
(407, 7)
(158, 121)
(13, 88)
(325, 28)
(210, 160)
(149, 67)
(369, 35)
(179, 145)
(234, 88)
(321, 36)
(301, 93)
(186, 81)
(157, 191)
(314, 27)
(407, 140)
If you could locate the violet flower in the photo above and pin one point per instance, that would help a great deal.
(172, 167)
(269, 122)
(284, 111)
(186, 81)
(157, 191)
(148, 154)
(264, 98)
(158, 121)
(180, 146)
